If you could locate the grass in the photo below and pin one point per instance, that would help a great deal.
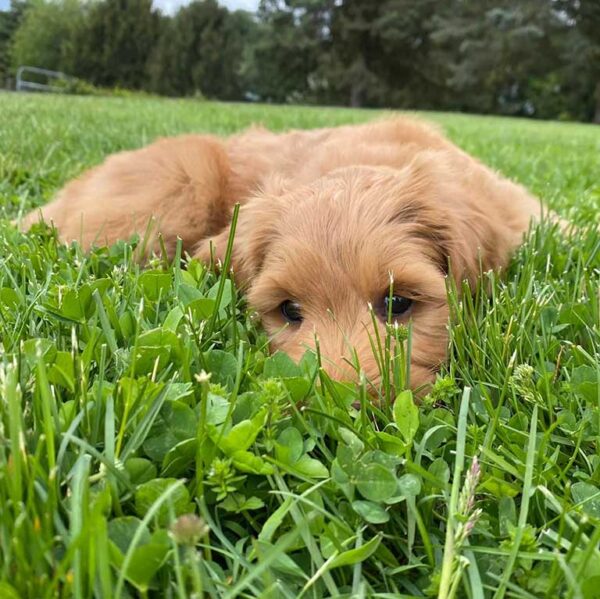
(127, 471)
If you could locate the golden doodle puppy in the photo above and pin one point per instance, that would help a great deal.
(328, 218)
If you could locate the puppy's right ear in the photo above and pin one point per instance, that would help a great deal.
(255, 231)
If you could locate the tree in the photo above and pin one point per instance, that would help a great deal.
(114, 43)
(353, 65)
(382, 53)
(10, 21)
(201, 50)
(355, 52)
(584, 55)
(495, 50)
(43, 38)
(281, 64)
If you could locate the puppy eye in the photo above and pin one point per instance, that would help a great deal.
(291, 311)
(397, 305)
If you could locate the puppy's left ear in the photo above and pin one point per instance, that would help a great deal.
(473, 243)
(458, 212)
(255, 231)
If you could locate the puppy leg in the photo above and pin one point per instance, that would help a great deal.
(179, 184)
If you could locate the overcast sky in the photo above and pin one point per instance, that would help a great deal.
(245, 4)
(170, 6)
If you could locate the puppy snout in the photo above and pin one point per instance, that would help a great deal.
(339, 368)
(346, 363)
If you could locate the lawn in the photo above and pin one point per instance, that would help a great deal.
(151, 447)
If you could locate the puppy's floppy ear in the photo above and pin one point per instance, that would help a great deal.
(255, 231)
(452, 211)
(470, 242)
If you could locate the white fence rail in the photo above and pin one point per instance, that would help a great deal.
(24, 82)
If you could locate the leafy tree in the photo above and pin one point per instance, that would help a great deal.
(583, 54)
(352, 70)
(114, 43)
(495, 49)
(292, 40)
(43, 38)
(201, 51)
(9, 23)
(382, 53)
(355, 52)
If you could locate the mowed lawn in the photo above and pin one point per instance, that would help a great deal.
(151, 447)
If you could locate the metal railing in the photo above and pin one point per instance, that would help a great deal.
(23, 84)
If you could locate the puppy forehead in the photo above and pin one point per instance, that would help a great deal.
(347, 193)
(349, 215)
(360, 199)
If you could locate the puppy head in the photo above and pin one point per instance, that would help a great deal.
(315, 259)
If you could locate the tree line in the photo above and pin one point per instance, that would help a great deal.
(538, 58)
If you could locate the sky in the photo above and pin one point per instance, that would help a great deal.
(170, 6)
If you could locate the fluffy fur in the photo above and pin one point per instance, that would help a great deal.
(327, 217)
